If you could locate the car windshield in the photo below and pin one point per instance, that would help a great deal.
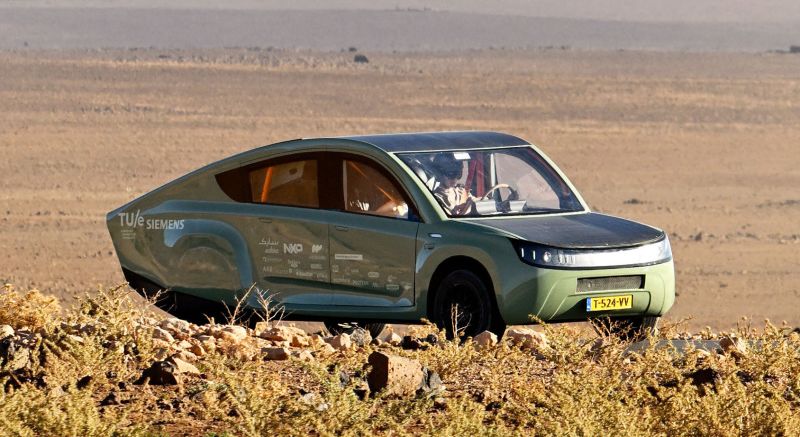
(490, 182)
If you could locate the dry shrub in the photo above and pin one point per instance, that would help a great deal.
(580, 384)
(31, 309)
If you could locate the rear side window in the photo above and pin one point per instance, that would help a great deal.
(291, 183)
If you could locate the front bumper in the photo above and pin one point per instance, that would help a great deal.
(551, 295)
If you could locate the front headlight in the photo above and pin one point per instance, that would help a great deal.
(545, 256)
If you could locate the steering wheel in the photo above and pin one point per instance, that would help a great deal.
(513, 192)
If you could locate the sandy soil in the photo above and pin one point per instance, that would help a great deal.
(705, 146)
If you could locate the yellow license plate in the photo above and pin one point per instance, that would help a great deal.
(606, 303)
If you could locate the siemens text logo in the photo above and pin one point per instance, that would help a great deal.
(135, 219)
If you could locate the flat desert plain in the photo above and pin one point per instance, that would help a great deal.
(703, 145)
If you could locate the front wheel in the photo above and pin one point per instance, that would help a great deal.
(463, 308)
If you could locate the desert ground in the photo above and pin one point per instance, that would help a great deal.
(705, 146)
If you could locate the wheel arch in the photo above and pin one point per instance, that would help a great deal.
(460, 262)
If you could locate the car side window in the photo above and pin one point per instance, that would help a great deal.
(367, 190)
(293, 183)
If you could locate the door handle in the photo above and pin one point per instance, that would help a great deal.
(342, 228)
(265, 220)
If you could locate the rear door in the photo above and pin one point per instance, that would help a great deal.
(373, 236)
(288, 231)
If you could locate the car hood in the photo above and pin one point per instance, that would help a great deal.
(575, 231)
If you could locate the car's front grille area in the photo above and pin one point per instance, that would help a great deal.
(608, 283)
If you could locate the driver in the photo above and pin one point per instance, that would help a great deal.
(454, 197)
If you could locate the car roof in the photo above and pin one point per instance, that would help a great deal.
(433, 141)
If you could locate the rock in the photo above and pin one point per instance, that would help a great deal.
(340, 342)
(412, 343)
(6, 331)
(485, 339)
(261, 327)
(284, 333)
(396, 375)
(175, 324)
(360, 337)
(186, 356)
(302, 355)
(163, 335)
(327, 349)
(183, 344)
(13, 357)
(431, 382)
(232, 334)
(393, 339)
(360, 59)
(197, 350)
(734, 346)
(275, 353)
(182, 366)
(161, 353)
(300, 341)
(159, 373)
(527, 338)
(209, 343)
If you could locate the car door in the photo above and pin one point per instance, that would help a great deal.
(288, 231)
(373, 237)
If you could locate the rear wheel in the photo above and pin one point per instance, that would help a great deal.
(336, 328)
(463, 308)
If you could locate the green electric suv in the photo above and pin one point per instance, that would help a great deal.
(471, 230)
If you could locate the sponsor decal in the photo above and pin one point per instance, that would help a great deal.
(360, 283)
(315, 248)
(292, 248)
(137, 220)
(348, 257)
(373, 275)
(392, 287)
(316, 266)
(303, 274)
(335, 268)
(268, 242)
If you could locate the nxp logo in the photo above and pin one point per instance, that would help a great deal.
(292, 248)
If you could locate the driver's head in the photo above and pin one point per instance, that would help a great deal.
(447, 166)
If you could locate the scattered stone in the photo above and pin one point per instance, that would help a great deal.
(360, 337)
(161, 353)
(13, 357)
(183, 344)
(734, 346)
(527, 338)
(412, 343)
(340, 342)
(6, 331)
(431, 382)
(302, 355)
(396, 375)
(163, 335)
(182, 366)
(176, 325)
(360, 59)
(159, 373)
(393, 339)
(197, 350)
(275, 353)
(485, 339)
(186, 356)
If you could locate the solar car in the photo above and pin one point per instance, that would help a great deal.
(473, 231)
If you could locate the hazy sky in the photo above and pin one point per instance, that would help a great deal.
(745, 11)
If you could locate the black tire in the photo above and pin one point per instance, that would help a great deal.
(336, 328)
(463, 307)
(628, 328)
